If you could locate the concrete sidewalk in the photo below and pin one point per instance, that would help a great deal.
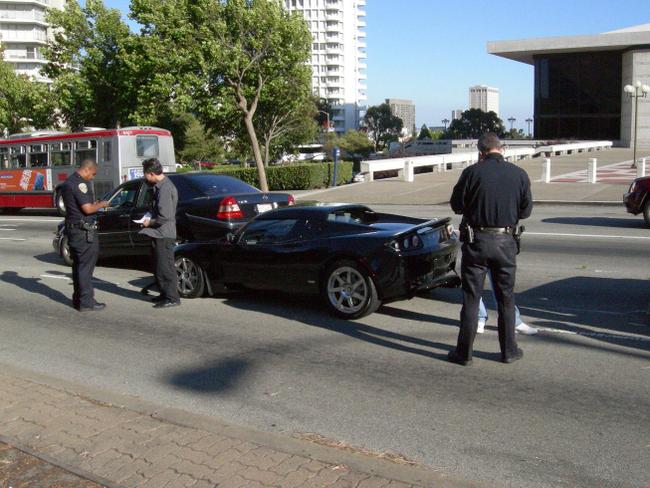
(435, 188)
(90, 438)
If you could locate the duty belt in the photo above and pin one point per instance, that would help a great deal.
(496, 230)
(82, 225)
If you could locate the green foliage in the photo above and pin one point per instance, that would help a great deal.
(473, 123)
(295, 176)
(425, 133)
(382, 125)
(353, 144)
(23, 103)
(199, 144)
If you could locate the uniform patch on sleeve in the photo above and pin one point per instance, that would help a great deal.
(83, 187)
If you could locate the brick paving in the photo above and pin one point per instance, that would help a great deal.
(95, 441)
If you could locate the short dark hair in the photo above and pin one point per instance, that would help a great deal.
(488, 142)
(88, 163)
(152, 165)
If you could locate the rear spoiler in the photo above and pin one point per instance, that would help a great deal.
(433, 224)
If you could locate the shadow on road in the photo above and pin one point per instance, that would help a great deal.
(622, 223)
(218, 377)
(35, 285)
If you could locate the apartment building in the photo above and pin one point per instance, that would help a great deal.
(24, 32)
(338, 58)
(405, 110)
(484, 97)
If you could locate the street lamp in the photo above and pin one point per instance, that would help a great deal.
(445, 121)
(512, 121)
(529, 121)
(636, 91)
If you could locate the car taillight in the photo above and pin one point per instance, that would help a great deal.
(291, 200)
(229, 209)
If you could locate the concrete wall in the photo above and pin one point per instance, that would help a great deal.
(636, 66)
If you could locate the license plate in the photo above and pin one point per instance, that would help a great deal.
(264, 207)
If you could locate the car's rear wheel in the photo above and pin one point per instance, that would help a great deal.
(64, 251)
(348, 290)
(646, 210)
(191, 282)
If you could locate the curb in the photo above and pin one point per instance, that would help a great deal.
(416, 475)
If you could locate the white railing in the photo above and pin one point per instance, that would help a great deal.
(577, 147)
(441, 162)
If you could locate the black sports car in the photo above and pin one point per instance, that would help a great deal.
(209, 206)
(353, 257)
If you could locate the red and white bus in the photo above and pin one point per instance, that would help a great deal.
(33, 166)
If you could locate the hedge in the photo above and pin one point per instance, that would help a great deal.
(293, 177)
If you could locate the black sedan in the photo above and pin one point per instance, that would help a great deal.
(353, 257)
(209, 206)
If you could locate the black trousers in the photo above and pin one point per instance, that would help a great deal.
(165, 271)
(84, 258)
(498, 254)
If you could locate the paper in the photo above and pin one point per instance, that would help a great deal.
(144, 218)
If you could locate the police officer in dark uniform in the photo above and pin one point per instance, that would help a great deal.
(492, 195)
(81, 229)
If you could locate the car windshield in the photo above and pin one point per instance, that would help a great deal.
(212, 185)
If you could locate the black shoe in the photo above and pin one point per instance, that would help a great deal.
(95, 308)
(454, 357)
(167, 304)
(515, 357)
(159, 298)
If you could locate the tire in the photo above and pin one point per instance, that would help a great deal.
(348, 290)
(646, 211)
(191, 280)
(64, 251)
(59, 204)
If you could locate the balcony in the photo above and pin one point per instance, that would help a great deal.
(361, 45)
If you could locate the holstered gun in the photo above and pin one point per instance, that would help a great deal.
(519, 230)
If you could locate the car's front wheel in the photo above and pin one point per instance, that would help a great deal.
(64, 251)
(646, 210)
(191, 282)
(349, 291)
(59, 204)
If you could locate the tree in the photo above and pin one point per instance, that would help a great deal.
(382, 125)
(324, 113)
(92, 79)
(23, 103)
(199, 144)
(473, 123)
(237, 56)
(425, 133)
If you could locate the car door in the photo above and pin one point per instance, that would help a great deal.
(114, 221)
(262, 254)
(141, 243)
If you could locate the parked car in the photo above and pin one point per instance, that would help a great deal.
(209, 207)
(355, 258)
(637, 199)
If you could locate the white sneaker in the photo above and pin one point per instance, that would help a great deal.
(481, 327)
(526, 329)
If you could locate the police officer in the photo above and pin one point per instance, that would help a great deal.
(161, 227)
(492, 195)
(81, 229)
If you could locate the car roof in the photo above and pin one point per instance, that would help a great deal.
(311, 210)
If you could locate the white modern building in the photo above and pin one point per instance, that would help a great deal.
(456, 114)
(338, 57)
(405, 110)
(484, 97)
(24, 33)
(580, 80)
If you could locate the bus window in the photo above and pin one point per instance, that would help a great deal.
(60, 154)
(85, 150)
(147, 146)
(18, 157)
(4, 157)
(38, 156)
(107, 151)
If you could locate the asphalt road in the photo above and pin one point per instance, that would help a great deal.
(574, 412)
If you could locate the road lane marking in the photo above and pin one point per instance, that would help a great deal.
(11, 239)
(590, 236)
(5, 228)
(56, 277)
(597, 335)
(31, 220)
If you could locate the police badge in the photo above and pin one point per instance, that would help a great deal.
(83, 187)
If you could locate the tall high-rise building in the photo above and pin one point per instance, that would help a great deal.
(338, 56)
(484, 97)
(456, 114)
(405, 110)
(24, 32)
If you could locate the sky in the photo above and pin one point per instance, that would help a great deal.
(431, 51)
